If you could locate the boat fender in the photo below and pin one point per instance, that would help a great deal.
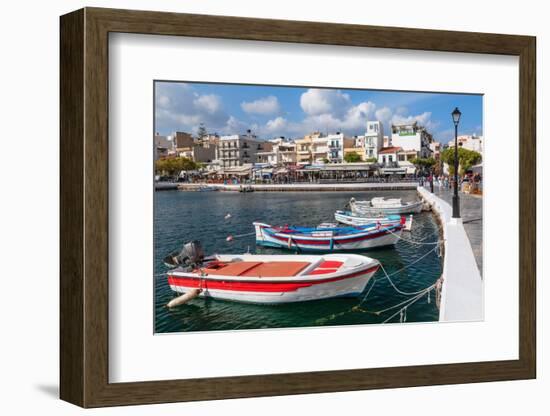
(186, 297)
(229, 238)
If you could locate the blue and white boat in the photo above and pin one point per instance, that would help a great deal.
(329, 239)
(351, 218)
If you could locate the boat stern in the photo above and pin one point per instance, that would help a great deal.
(259, 227)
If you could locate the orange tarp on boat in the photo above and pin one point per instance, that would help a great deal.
(277, 269)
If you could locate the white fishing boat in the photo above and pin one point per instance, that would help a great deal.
(351, 218)
(384, 207)
(273, 279)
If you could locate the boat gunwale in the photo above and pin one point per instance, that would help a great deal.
(372, 265)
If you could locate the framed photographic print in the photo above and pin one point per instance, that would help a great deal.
(255, 207)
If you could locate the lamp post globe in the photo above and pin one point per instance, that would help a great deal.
(456, 204)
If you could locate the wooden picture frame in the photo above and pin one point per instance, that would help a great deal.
(84, 207)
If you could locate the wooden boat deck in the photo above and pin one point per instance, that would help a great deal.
(270, 268)
(258, 269)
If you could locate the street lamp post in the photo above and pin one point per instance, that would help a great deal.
(456, 205)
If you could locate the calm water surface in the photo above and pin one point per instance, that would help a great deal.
(183, 216)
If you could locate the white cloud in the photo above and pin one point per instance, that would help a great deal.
(423, 119)
(351, 122)
(322, 101)
(275, 126)
(401, 110)
(210, 103)
(180, 107)
(357, 116)
(383, 115)
(265, 106)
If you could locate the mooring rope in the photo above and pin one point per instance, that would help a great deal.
(407, 302)
(244, 235)
(404, 309)
(422, 243)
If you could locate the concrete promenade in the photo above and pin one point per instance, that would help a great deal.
(471, 211)
(304, 187)
(462, 289)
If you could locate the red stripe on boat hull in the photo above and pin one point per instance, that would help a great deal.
(326, 242)
(255, 286)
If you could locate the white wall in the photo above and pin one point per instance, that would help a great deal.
(29, 209)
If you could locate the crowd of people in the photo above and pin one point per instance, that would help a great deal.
(470, 182)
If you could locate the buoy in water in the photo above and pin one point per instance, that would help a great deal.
(229, 238)
(186, 297)
(227, 216)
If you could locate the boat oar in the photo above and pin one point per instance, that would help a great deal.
(186, 297)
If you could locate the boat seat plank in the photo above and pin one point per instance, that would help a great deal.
(233, 269)
(276, 269)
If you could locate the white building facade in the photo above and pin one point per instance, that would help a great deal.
(238, 149)
(281, 153)
(412, 137)
(470, 142)
(335, 151)
(374, 139)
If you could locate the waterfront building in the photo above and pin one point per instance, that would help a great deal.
(412, 137)
(386, 141)
(436, 149)
(278, 152)
(239, 149)
(163, 146)
(183, 143)
(340, 172)
(304, 148)
(470, 142)
(319, 149)
(336, 143)
(210, 140)
(388, 155)
(360, 150)
(374, 139)
(200, 153)
(394, 160)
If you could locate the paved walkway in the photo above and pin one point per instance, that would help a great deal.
(471, 211)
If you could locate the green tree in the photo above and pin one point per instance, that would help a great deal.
(371, 160)
(423, 163)
(201, 132)
(352, 157)
(466, 159)
(173, 166)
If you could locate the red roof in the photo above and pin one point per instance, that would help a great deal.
(392, 149)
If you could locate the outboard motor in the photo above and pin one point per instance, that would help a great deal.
(192, 255)
(193, 252)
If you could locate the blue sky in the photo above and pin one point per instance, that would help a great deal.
(273, 111)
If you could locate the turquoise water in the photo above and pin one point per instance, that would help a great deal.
(183, 216)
